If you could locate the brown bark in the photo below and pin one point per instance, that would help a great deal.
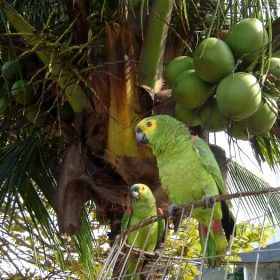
(79, 10)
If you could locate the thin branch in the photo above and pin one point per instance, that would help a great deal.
(13, 263)
(196, 204)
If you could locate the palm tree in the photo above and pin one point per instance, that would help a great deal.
(105, 59)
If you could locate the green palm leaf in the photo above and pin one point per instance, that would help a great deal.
(29, 159)
(241, 179)
(19, 189)
(27, 178)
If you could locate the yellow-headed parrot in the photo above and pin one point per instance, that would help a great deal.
(188, 171)
(146, 238)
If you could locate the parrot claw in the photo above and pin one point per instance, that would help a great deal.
(172, 210)
(157, 254)
(206, 200)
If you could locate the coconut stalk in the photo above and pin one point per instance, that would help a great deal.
(46, 51)
(152, 53)
(133, 162)
(124, 104)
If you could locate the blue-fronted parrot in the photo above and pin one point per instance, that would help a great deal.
(146, 238)
(188, 171)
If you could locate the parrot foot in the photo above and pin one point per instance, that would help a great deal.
(207, 201)
(157, 255)
(172, 209)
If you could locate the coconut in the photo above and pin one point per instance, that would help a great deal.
(186, 115)
(176, 67)
(213, 60)
(223, 34)
(11, 71)
(189, 90)
(37, 115)
(238, 95)
(271, 88)
(238, 132)
(276, 53)
(212, 118)
(273, 68)
(263, 119)
(22, 94)
(248, 36)
(8, 107)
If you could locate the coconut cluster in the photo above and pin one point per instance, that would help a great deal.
(215, 88)
(20, 99)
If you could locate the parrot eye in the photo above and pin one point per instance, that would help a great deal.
(149, 124)
(143, 188)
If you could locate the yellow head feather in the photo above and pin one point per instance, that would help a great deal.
(148, 125)
(142, 188)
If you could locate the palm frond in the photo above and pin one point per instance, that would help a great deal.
(85, 241)
(19, 189)
(241, 179)
(38, 12)
(28, 180)
(266, 148)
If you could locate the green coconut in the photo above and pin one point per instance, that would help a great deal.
(248, 36)
(213, 60)
(211, 117)
(186, 115)
(189, 90)
(276, 53)
(66, 112)
(273, 74)
(271, 88)
(176, 67)
(238, 95)
(8, 107)
(12, 71)
(263, 119)
(22, 94)
(37, 115)
(238, 132)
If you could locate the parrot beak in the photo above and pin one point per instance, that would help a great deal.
(141, 137)
(135, 195)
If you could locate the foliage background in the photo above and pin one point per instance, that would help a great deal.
(76, 173)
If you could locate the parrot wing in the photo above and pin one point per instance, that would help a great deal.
(125, 219)
(208, 160)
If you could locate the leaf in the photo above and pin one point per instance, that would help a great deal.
(188, 277)
(247, 248)
(241, 179)
(254, 236)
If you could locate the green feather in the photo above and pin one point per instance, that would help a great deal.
(147, 237)
(208, 160)
(188, 170)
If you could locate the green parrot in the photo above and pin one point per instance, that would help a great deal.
(143, 207)
(188, 171)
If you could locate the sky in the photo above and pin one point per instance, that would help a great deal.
(246, 159)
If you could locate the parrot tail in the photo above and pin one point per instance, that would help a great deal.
(216, 244)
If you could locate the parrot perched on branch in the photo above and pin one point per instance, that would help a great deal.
(146, 238)
(188, 171)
